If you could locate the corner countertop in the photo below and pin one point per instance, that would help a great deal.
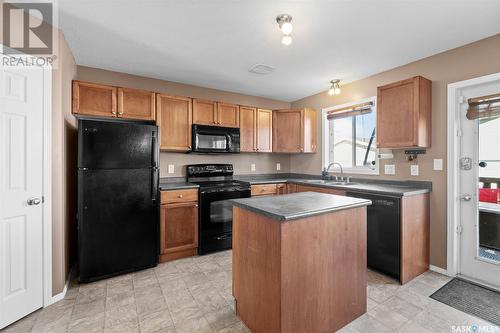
(169, 186)
(299, 205)
(360, 185)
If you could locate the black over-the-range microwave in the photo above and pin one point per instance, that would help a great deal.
(215, 139)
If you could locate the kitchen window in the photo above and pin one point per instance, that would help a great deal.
(349, 137)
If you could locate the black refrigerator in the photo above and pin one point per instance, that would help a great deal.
(118, 225)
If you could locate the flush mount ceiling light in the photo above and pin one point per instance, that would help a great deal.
(334, 88)
(261, 69)
(286, 27)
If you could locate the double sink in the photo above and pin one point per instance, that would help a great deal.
(329, 182)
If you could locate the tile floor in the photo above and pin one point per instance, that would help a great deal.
(194, 296)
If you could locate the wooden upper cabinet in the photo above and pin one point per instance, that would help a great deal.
(204, 112)
(294, 131)
(248, 124)
(228, 115)
(174, 118)
(94, 99)
(136, 104)
(404, 114)
(264, 131)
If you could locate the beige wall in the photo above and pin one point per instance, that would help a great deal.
(264, 163)
(63, 167)
(469, 61)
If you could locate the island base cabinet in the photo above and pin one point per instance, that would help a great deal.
(317, 286)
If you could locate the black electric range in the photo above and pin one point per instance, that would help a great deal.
(215, 216)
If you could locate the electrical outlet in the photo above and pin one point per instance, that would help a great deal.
(390, 169)
(171, 168)
(278, 166)
(414, 170)
(252, 167)
(438, 164)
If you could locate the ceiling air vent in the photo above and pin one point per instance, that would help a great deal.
(261, 69)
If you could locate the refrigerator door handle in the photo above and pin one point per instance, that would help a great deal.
(154, 154)
(154, 185)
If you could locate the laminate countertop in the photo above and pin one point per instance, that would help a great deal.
(168, 186)
(359, 185)
(299, 205)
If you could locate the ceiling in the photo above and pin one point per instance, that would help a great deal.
(213, 43)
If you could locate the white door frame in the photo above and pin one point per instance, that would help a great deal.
(453, 203)
(48, 299)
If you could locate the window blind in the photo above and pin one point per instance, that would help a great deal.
(353, 110)
(484, 107)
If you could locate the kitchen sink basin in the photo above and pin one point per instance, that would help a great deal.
(329, 182)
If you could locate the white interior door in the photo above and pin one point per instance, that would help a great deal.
(479, 217)
(21, 186)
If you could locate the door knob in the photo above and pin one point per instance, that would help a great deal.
(34, 201)
(466, 197)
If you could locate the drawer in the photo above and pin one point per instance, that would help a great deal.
(264, 189)
(175, 196)
(306, 188)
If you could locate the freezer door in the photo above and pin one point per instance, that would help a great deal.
(117, 221)
(104, 144)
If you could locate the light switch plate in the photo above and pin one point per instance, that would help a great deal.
(438, 164)
(171, 168)
(390, 169)
(278, 166)
(252, 167)
(414, 170)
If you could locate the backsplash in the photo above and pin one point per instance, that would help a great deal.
(264, 163)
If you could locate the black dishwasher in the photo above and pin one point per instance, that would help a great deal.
(383, 227)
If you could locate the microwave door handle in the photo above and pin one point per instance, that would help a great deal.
(228, 142)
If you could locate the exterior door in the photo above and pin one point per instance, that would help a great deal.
(479, 197)
(21, 181)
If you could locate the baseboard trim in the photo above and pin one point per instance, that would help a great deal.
(60, 296)
(438, 270)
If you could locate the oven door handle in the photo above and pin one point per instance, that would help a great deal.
(223, 237)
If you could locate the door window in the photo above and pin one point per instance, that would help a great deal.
(221, 211)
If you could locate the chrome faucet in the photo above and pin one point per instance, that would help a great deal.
(326, 176)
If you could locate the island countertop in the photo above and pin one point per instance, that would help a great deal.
(298, 205)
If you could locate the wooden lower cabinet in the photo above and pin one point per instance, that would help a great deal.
(269, 189)
(264, 189)
(308, 188)
(178, 224)
(414, 232)
(281, 189)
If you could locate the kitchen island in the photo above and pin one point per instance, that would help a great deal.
(299, 262)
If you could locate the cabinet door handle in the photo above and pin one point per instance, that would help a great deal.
(179, 196)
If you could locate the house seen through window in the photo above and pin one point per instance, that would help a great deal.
(351, 138)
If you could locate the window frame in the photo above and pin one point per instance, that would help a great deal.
(325, 139)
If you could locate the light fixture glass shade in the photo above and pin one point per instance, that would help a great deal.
(334, 88)
(286, 28)
(286, 40)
